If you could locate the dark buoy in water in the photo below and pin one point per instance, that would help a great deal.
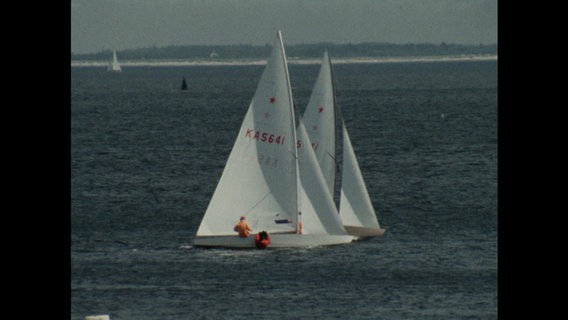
(183, 84)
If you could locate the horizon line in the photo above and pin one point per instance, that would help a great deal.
(294, 44)
(291, 60)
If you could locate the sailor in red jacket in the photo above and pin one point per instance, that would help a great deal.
(242, 228)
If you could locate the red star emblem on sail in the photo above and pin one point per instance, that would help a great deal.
(272, 100)
(320, 110)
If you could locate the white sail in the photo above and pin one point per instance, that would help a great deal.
(319, 119)
(319, 214)
(114, 66)
(261, 177)
(356, 210)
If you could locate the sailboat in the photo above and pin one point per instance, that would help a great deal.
(183, 84)
(323, 120)
(269, 179)
(114, 66)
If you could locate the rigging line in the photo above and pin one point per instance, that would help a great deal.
(256, 205)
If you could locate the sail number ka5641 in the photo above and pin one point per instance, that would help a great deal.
(264, 137)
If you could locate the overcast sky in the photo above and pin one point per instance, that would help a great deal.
(127, 24)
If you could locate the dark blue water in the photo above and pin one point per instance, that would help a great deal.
(147, 156)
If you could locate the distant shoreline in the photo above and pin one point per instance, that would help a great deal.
(291, 60)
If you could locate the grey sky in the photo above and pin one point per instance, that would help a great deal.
(127, 24)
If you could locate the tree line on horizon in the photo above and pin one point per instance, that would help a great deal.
(244, 51)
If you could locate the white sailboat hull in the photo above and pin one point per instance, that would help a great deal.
(288, 240)
(364, 232)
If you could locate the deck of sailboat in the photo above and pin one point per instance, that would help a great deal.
(279, 240)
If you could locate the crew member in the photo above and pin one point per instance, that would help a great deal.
(243, 228)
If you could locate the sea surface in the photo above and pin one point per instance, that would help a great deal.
(146, 157)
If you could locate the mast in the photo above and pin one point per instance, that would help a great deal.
(336, 118)
(295, 149)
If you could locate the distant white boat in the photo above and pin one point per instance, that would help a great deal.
(114, 65)
(276, 184)
(323, 120)
(98, 317)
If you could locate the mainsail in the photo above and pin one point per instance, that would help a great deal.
(320, 120)
(260, 179)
